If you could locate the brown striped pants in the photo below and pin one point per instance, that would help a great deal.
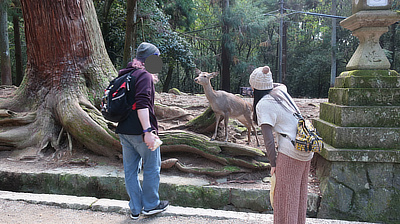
(290, 198)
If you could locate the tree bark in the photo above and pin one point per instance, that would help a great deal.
(67, 70)
(6, 78)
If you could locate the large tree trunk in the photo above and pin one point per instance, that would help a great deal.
(67, 70)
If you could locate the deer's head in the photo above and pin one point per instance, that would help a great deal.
(203, 78)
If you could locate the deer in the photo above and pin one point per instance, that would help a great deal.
(226, 105)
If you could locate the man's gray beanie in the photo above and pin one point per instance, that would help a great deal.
(145, 50)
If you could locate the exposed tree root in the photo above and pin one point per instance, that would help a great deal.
(84, 128)
(226, 170)
(11, 118)
(52, 133)
(231, 156)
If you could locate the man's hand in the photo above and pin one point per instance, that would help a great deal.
(149, 139)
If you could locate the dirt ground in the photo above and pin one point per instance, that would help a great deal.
(189, 106)
(197, 104)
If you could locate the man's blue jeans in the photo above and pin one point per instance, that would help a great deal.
(134, 151)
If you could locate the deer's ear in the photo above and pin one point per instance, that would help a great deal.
(214, 74)
(197, 71)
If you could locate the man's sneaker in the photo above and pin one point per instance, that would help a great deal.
(160, 208)
(134, 217)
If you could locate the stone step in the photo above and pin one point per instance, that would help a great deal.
(365, 96)
(368, 79)
(360, 116)
(358, 137)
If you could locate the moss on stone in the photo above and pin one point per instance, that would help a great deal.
(365, 96)
(370, 73)
(231, 168)
(175, 91)
(202, 122)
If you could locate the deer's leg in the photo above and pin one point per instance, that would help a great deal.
(226, 120)
(217, 117)
(255, 133)
(250, 127)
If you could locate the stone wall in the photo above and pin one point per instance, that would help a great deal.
(361, 185)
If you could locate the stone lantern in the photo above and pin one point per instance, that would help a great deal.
(359, 168)
(370, 20)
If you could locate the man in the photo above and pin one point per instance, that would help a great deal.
(138, 134)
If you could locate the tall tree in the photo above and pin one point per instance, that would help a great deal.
(6, 78)
(67, 70)
(105, 25)
(17, 43)
(225, 49)
(130, 33)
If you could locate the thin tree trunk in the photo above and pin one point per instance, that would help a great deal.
(6, 78)
(17, 43)
(105, 25)
(392, 44)
(130, 33)
(169, 77)
(225, 54)
(284, 52)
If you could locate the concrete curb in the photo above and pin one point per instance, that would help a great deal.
(121, 207)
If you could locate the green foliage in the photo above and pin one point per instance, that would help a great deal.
(189, 34)
(174, 49)
(254, 38)
(182, 13)
(308, 79)
(113, 29)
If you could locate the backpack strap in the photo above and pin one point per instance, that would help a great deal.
(297, 113)
(130, 77)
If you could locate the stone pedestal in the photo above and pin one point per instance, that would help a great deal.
(359, 168)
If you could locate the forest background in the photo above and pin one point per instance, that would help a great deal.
(232, 37)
